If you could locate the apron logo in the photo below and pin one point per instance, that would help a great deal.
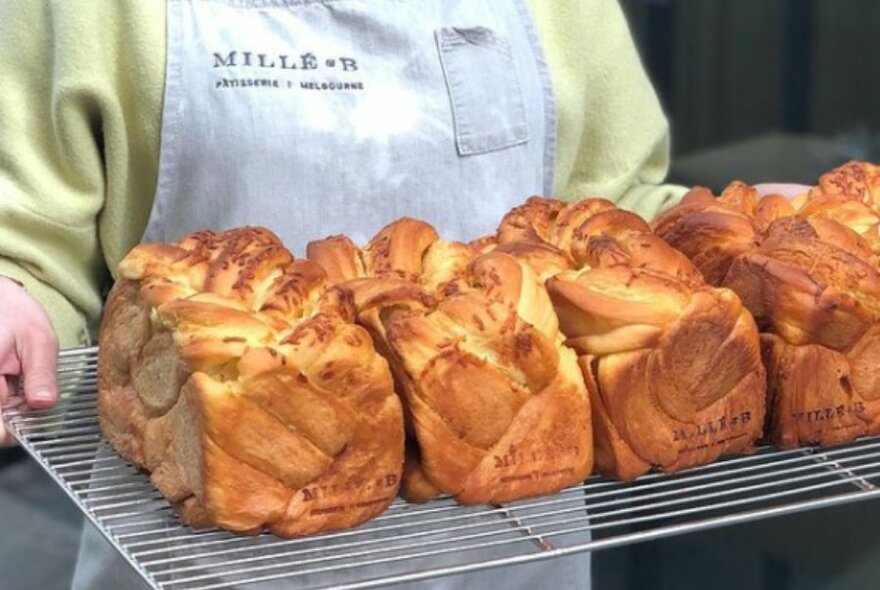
(306, 62)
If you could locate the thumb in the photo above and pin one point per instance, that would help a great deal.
(39, 359)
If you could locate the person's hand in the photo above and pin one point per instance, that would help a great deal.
(28, 350)
(789, 191)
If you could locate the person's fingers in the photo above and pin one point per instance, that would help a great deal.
(28, 346)
(787, 190)
(9, 364)
(5, 439)
(38, 355)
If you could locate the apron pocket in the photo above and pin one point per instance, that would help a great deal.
(488, 110)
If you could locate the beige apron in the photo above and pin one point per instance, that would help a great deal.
(323, 117)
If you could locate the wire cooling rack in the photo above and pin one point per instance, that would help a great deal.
(413, 542)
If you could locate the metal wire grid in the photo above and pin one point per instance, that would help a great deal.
(413, 542)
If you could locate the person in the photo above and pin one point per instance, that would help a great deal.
(131, 120)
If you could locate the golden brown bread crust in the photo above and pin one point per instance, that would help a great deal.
(850, 213)
(672, 365)
(819, 307)
(710, 232)
(808, 272)
(495, 405)
(817, 393)
(854, 180)
(530, 222)
(772, 207)
(850, 195)
(543, 259)
(339, 258)
(484, 244)
(252, 399)
(397, 250)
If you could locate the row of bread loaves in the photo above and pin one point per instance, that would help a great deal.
(299, 396)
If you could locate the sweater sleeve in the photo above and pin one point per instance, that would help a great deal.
(612, 135)
(67, 149)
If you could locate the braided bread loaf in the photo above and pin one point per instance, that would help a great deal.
(253, 401)
(493, 401)
(808, 272)
(849, 195)
(672, 364)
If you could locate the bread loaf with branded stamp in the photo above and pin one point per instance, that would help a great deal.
(672, 364)
(496, 409)
(808, 271)
(250, 396)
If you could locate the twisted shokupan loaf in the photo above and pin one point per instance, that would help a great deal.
(849, 195)
(808, 271)
(672, 364)
(494, 403)
(253, 401)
